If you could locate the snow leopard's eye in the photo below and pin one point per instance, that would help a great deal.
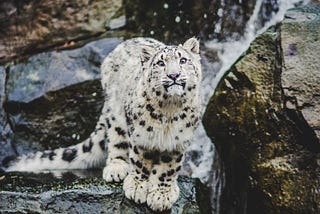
(183, 60)
(161, 63)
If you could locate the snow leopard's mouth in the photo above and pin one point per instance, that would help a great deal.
(175, 89)
(175, 85)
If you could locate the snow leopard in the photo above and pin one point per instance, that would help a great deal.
(151, 109)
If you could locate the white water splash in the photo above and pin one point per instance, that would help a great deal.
(230, 51)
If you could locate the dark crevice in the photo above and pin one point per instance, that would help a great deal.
(305, 135)
(6, 116)
(6, 133)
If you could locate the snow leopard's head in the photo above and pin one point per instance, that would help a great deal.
(172, 71)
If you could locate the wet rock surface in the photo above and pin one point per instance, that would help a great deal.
(40, 115)
(54, 70)
(70, 192)
(58, 119)
(268, 147)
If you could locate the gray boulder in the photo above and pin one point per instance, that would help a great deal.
(300, 78)
(41, 116)
(54, 70)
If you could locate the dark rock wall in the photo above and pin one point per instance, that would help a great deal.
(269, 152)
(169, 21)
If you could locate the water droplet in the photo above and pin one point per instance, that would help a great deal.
(205, 16)
(165, 6)
(178, 19)
(152, 32)
(187, 21)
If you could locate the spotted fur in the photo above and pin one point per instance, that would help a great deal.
(151, 109)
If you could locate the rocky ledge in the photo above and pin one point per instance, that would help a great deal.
(85, 192)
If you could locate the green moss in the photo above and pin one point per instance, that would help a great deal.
(287, 189)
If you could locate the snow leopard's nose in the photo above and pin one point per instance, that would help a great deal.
(173, 76)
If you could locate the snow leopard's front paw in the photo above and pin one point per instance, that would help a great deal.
(135, 189)
(115, 171)
(163, 197)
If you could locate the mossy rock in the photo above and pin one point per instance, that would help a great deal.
(269, 153)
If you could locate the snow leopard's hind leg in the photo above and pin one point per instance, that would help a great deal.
(90, 153)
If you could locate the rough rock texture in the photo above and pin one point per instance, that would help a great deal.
(58, 119)
(31, 26)
(57, 69)
(41, 119)
(269, 149)
(301, 74)
(72, 193)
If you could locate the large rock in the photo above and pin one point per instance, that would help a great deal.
(54, 70)
(32, 26)
(42, 117)
(263, 118)
(58, 119)
(72, 192)
(301, 74)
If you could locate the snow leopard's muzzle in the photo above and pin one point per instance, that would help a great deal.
(174, 84)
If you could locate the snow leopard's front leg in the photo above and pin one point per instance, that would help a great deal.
(153, 177)
(117, 164)
(163, 187)
(135, 184)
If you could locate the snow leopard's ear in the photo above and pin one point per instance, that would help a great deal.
(192, 45)
(146, 53)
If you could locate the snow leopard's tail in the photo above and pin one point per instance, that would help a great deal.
(90, 153)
